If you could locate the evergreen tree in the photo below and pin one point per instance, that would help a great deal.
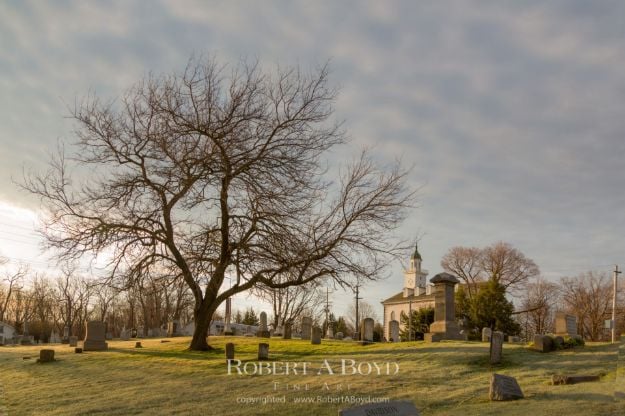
(420, 324)
(341, 326)
(251, 318)
(490, 308)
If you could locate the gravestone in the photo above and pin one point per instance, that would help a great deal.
(394, 331)
(109, 336)
(543, 343)
(125, 335)
(65, 339)
(306, 327)
(95, 337)
(486, 333)
(263, 332)
(73, 341)
(339, 336)
(138, 344)
(367, 329)
(173, 329)
(566, 325)
(444, 325)
(514, 339)
(316, 336)
(229, 352)
(496, 347)
(562, 379)
(46, 356)
(390, 408)
(286, 333)
(78, 350)
(503, 388)
(54, 338)
(330, 332)
(263, 351)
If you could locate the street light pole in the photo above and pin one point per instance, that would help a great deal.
(616, 273)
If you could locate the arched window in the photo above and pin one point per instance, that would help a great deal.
(393, 316)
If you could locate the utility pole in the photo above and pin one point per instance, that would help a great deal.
(328, 334)
(616, 273)
(357, 320)
(410, 320)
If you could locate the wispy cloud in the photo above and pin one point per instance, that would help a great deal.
(512, 112)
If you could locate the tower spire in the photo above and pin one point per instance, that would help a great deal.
(416, 255)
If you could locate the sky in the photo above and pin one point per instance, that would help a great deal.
(512, 113)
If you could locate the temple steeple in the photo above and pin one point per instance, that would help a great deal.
(414, 277)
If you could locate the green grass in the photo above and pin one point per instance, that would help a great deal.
(447, 378)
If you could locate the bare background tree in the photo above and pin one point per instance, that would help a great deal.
(465, 263)
(290, 303)
(365, 310)
(540, 301)
(499, 262)
(221, 167)
(589, 297)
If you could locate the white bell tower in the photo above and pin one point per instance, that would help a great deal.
(415, 277)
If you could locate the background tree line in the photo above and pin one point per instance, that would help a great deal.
(504, 289)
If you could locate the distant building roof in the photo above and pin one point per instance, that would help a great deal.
(399, 298)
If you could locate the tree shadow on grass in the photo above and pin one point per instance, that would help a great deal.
(577, 397)
(183, 354)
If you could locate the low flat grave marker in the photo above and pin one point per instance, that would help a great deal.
(391, 408)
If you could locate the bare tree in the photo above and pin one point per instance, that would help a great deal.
(539, 303)
(499, 262)
(13, 281)
(365, 310)
(589, 297)
(465, 263)
(73, 296)
(201, 171)
(507, 266)
(289, 303)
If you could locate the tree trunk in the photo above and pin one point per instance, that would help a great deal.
(202, 325)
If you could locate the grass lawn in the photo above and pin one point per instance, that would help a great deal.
(447, 378)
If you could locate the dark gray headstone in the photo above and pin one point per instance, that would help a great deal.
(286, 331)
(306, 327)
(46, 356)
(263, 351)
(393, 327)
(316, 336)
(543, 343)
(392, 408)
(367, 329)
(229, 351)
(496, 349)
(504, 388)
(95, 337)
(73, 341)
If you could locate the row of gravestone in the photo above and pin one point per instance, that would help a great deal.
(565, 337)
(314, 333)
(487, 332)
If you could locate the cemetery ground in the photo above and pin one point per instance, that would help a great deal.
(446, 378)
